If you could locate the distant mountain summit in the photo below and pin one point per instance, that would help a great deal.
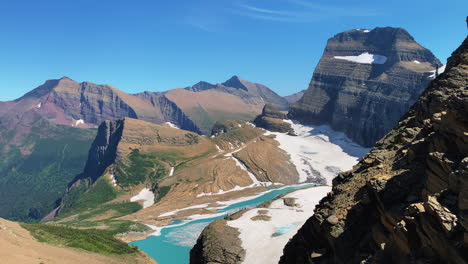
(365, 81)
(205, 103)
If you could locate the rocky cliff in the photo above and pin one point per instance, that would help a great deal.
(365, 81)
(406, 201)
(85, 104)
(170, 111)
(273, 120)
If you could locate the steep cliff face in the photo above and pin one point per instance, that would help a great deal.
(170, 111)
(406, 201)
(86, 104)
(365, 75)
(103, 151)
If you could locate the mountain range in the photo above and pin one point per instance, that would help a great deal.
(98, 166)
(46, 134)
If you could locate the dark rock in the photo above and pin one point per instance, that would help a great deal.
(218, 244)
(395, 211)
(365, 100)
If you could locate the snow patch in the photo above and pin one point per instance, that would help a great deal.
(218, 148)
(363, 30)
(145, 195)
(169, 124)
(316, 149)
(39, 105)
(264, 241)
(79, 122)
(239, 188)
(417, 62)
(365, 58)
(198, 206)
(114, 181)
(441, 70)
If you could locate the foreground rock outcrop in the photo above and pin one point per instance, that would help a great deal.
(406, 201)
(365, 75)
(218, 243)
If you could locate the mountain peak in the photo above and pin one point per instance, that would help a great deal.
(66, 78)
(235, 82)
(201, 86)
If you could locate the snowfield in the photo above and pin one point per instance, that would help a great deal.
(318, 152)
(146, 196)
(365, 58)
(441, 70)
(264, 241)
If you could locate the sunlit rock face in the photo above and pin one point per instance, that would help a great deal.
(365, 81)
(406, 201)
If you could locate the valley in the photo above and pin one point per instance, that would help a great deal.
(366, 165)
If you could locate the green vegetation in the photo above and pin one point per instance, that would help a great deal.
(99, 241)
(116, 210)
(35, 174)
(140, 168)
(192, 138)
(163, 190)
(82, 198)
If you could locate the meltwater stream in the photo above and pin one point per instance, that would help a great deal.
(174, 244)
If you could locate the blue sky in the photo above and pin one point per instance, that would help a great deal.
(159, 45)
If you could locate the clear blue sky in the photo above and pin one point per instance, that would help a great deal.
(159, 45)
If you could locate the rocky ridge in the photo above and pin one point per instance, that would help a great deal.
(405, 202)
(273, 120)
(362, 76)
(236, 99)
(293, 98)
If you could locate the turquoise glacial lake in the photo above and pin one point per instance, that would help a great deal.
(174, 244)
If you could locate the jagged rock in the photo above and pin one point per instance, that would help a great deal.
(445, 218)
(410, 192)
(353, 97)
